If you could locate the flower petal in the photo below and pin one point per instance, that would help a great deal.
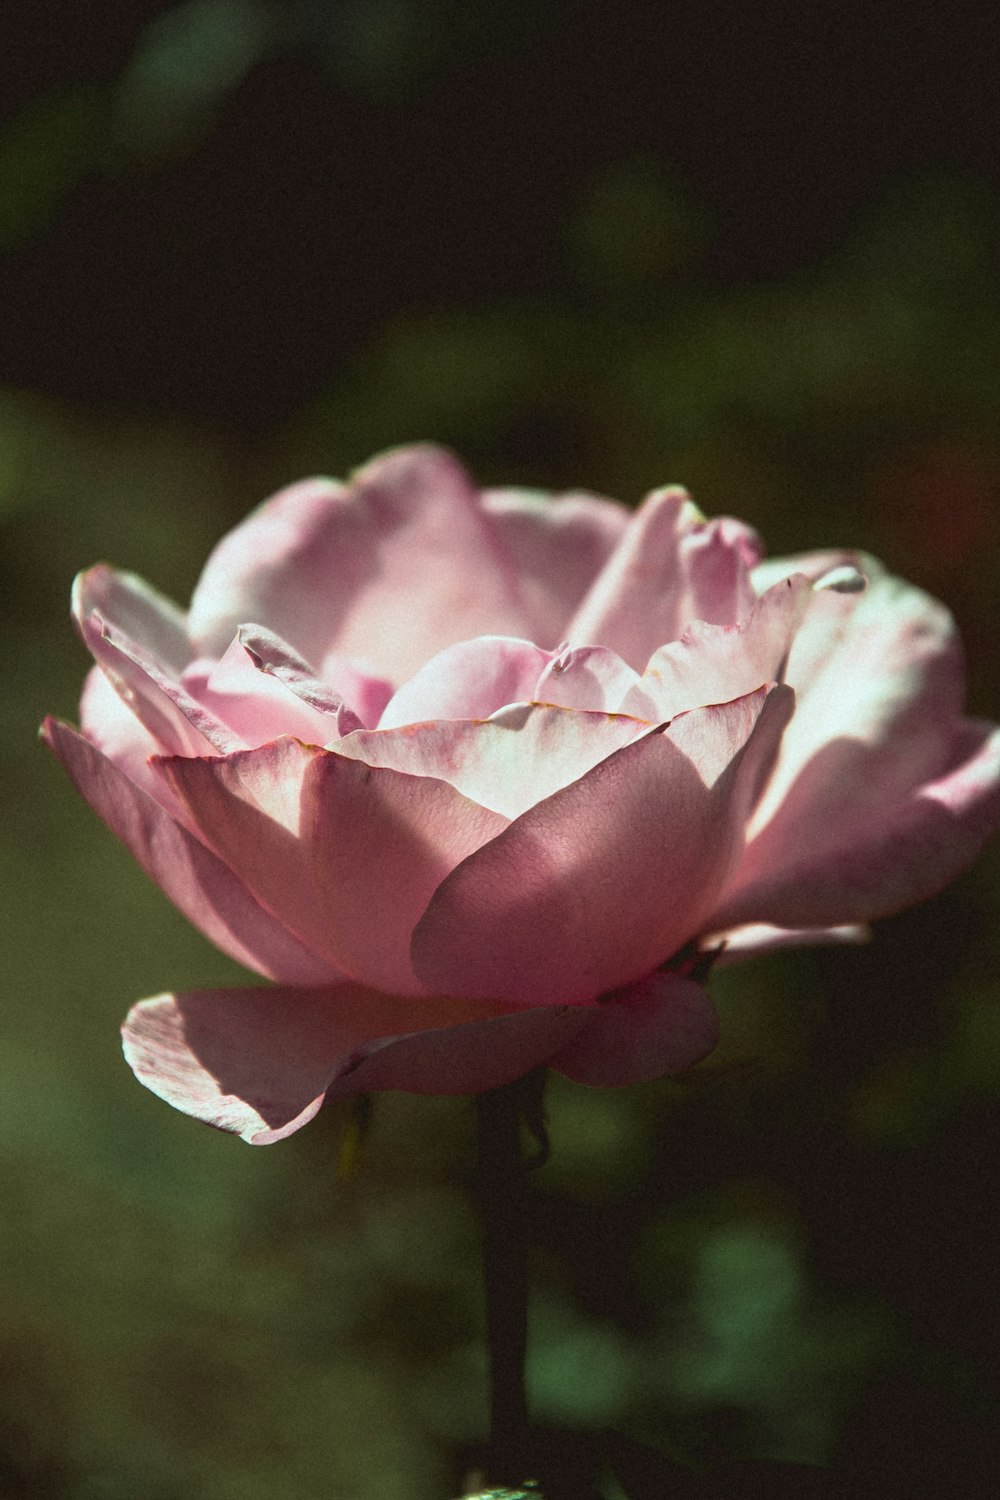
(386, 570)
(139, 611)
(830, 858)
(344, 855)
(670, 567)
(879, 684)
(195, 880)
(600, 883)
(469, 680)
(559, 544)
(716, 663)
(756, 938)
(587, 677)
(259, 704)
(663, 1024)
(259, 1062)
(517, 757)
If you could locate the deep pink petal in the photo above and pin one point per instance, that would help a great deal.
(827, 859)
(386, 570)
(469, 680)
(134, 607)
(198, 883)
(259, 1062)
(716, 663)
(508, 762)
(346, 856)
(600, 883)
(662, 1024)
(587, 677)
(670, 567)
(559, 544)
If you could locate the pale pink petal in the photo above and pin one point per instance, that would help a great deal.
(716, 663)
(662, 1024)
(199, 884)
(469, 680)
(559, 544)
(756, 938)
(139, 611)
(670, 567)
(879, 684)
(600, 883)
(833, 855)
(110, 725)
(176, 720)
(386, 570)
(815, 565)
(273, 656)
(345, 856)
(260, 705)
(512, 760)
(367, 694)
(587, 677)
(259, 1062)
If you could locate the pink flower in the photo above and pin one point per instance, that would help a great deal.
(462, 772)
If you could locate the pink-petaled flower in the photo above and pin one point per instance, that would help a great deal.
(472, 774)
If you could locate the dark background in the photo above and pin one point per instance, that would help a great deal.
(752, 249)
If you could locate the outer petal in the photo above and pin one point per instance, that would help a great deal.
(823, 861)
(599, 884)
(258, 1062)
(469, 680)
(879, 684)
(139, 611)
(663, 1024)
(205, 890)
(559, 544)
(109, 724)
(387, 570)
(669, 568)
(508, 762)
(346, 856)
(716, 663)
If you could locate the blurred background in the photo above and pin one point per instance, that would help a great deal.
(752, 250)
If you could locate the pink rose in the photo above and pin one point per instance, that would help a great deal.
(464, 771)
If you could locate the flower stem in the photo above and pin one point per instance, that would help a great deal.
(503, 1190)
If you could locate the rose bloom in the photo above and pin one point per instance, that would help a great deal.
(477, 776)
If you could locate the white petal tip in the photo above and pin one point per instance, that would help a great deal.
(843, 580)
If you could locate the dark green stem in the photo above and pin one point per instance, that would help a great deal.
(503, 1190)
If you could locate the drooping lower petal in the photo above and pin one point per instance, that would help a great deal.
(601, 882)
(346, 855)
(195, 880)
(660, 1025)
(259, 1062)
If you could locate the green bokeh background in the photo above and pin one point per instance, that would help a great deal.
(789, 1254)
